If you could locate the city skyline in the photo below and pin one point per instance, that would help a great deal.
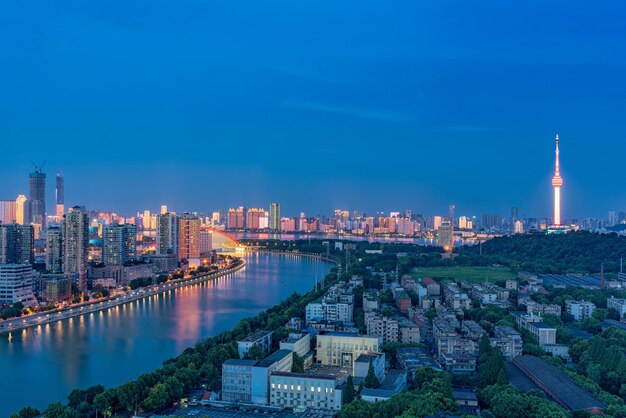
(421, 115)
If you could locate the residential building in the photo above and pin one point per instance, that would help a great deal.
(22, 210)
(274, 217)
(16, 284)
(120, 244)
(76, 245)
(579, 309)
(54, 250)
(342, 348)
(189, 237)
(384, 327)
(7, 211)
(16, 244)
(508, 341)
(618, 304)
(409, 331)
(545, 334)
(454, 297)
(331, 311)
(263, 339)
(167, 234)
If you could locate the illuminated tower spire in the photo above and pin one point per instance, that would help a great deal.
(557, 182)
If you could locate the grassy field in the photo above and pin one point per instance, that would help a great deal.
(470, 274)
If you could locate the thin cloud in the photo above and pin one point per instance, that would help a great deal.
(375, 114)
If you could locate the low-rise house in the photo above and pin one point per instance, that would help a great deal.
(263, 339)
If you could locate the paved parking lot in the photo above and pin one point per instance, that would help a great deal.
(204, 412)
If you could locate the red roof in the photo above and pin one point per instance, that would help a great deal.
(428, 281)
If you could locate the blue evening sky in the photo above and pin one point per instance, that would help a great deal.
(318, 105)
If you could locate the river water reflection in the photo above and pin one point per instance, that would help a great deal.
(41, 365)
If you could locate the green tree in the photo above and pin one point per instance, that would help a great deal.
(298, 363)
(27, 412)
(158, 398)
(371, 381)
(349, 393)
(255, 353)
(56, 410)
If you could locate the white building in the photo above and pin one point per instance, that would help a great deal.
(331, 311)
(247, 381)
(298, 343)
(362, 366)
(342, 348)
(508, 340)
(261, 338)
(16, 284)
(618, 304)
(382, 326)
(316, 391)
(579, 309)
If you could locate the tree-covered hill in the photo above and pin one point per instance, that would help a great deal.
(580, 252)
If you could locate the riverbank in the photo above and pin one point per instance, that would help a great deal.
(21, 323)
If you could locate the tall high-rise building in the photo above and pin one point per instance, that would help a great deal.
(189, 237)
(519, 227)
(54, 249)
(163, 209)
(37, 196)
(236, 218)
(206, 242)
(253, 218)
(557, 183)
(60, 195)
(7, 211)
(446, 235)
(491, 221)
(514, 214)
(76, 245)
(275, 217)
(119, 244)
(612, 218)
(167, 234)
(16, 244)
(22, 213)
(436, 222)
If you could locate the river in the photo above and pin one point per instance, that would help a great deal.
(42, 365)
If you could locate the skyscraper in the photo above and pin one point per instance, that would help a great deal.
(120, 244)
(21, 210)
(60, 195)
(275, 217)
(76, 245)
(446, 235)
(37, 196)
(16, 244)
(189, 237)
(167, 234)
(54, 250)
(557, 182)
(7, 211)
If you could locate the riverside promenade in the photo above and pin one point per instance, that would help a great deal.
(28, 321)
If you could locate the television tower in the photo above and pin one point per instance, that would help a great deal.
(557, 182)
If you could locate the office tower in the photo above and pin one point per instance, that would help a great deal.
(21, 210)
(557, 183)
(463, 222)
(519, 227)
(16, 244)
(215, 218)
(119, 244)
(7, 211)
(146, 219)
(275, 217)
(189, 237)
(37, 196)
(436, 222)
(54, 249)
(167, 234)
(514, 214)
(163, 209)
(60, 195)
(446, 235)
(76, 245)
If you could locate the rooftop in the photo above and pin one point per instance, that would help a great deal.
(240, 362)
(558, 385)
(255, 336)
(273, 358)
